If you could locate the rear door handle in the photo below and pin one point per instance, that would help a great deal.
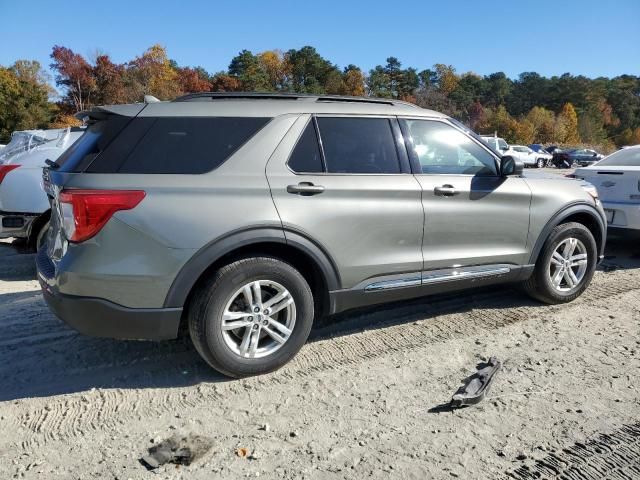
(445, 191)
(305, 189)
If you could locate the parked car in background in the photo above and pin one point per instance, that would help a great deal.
(24, 207)
(498, 144)
(617, 179)
(542, 152)
(581, 156)
(528, 156)
(250, 215)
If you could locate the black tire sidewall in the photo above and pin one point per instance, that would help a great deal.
(221, 356)
(559, 234)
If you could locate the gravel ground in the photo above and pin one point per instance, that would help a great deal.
(356, 401)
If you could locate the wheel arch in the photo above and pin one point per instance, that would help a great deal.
(582, 213)
(313, 262)
(36, 225)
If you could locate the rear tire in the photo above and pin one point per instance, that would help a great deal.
(251, 317)
(565, 265)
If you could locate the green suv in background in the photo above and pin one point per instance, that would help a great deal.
(248, 216)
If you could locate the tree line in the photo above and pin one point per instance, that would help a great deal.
(567, 109)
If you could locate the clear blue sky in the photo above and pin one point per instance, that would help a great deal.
(589, 37)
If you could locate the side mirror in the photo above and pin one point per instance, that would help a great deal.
(509, 166)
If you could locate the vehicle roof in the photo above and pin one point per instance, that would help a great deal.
(234, 104)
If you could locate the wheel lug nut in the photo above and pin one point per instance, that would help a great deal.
(265, 322)
(266, 312)
(255, 327)
(250, 318)
(256, 309)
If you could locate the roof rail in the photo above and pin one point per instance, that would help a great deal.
(192, 97)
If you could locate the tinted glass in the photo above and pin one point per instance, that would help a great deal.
(628, 157)
(442, 149)
(358, 145)
(306, 154)
(189, 145)
(92, 142)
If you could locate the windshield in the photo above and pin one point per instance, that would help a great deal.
(20, 142)
(628, 157)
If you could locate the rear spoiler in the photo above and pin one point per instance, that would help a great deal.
(102, 112)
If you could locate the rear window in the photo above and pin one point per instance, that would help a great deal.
(91, 143)
(628, 157)
(358, 145)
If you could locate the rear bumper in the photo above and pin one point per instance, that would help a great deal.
(102, 318)
(625, 215)
(16, 225)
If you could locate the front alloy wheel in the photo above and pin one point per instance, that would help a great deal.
(568, 264)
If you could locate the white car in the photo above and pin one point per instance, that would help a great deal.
(529, 157)
(617, 179)
(498, 144)
(24, 206)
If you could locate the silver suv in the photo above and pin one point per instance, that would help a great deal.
(248, 216)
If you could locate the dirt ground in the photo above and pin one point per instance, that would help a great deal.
(356, 401)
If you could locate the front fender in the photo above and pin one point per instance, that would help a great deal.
(563, 214)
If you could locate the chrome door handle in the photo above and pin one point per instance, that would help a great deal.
(305, 189)
(445, 191)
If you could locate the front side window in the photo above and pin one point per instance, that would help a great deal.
(442, 149)
(358, 145)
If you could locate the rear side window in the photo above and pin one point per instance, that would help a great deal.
(358, 145)
(189, 145)
(306, 157)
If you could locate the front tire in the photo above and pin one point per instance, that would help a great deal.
(540, 163)
(565, 265)
(251, 317)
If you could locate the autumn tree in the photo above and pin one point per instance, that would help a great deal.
(275, 68)
(110, 81)
(75, 75)
(152, 74)
(567, 125)
(192, 80)
(24, 98)
(354, 82)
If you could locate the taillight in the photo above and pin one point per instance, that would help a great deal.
(4, 169)
(85, 212)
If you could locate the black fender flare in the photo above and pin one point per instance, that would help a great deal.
(563, 214)
(213, 251)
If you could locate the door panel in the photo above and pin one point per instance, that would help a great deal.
(473, 216)
(486, 221)
(370, 224)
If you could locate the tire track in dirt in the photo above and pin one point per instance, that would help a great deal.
(615, 455)
(73, 415)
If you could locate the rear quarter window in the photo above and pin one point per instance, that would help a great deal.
(189, 145)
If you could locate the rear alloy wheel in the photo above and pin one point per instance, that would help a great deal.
(565, 265)
(251, 317)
